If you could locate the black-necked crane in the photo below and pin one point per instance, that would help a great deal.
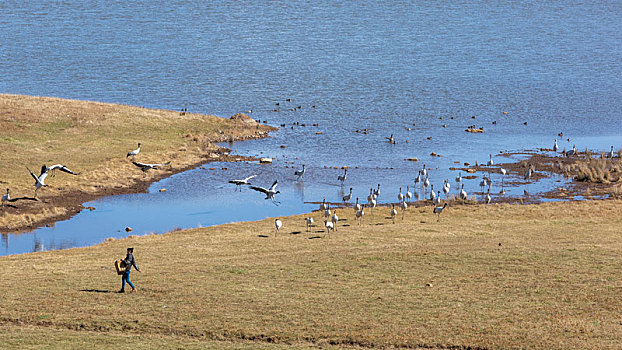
(409, 195)
(490, 162)
(393, 212)
(372, 205)
(334, 219)
(329, 226)
(418, 178)
(437, 199)
(438, 210)
(555, 147)
(503, 173)
(463, 194)
(45, 171)
(488, 198)
(403, 206)
(459, 178)
(134, 152)
(238, 183)
(377, 191)
(342, 178)
(299, 173)
(309, 221)
(6, 197)
(277, 225)
(528, 173)
(146, 166)
(483, 183)
(348, 196)
(424, 171)
(391, 139)
(611, 154)
(446, 188)
(269, 192)
(432, 193)
(426, 184)
(359, 214)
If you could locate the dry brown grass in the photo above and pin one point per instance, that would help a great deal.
(498, 276)
(93, 138)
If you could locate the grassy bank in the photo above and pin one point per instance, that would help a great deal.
(501, 276)
(94, 138)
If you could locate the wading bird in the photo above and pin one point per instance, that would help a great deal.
(393, 212)
(134, 152)
(424, 171)
(463, 194)
(6, 197)
(488, 198)
(418, 178)
(438, 211)
(359, 214)
(528, 173)
(391, 139)
(344, 177)
(334, 219)
(145, 166)
(372, 205)
(483, 183)
(238, 183)
(490, 162)
(437, 199)
(309, 221)
(503, 173)
(348, 196)
(269, 192)
(357, 206)
(299, 173)
(409, 195)
(45, 171)
(327, 211)
(403, 206)
(555, 147)
(277, 224)
(611, 154)
(459, 178)
(329, 226)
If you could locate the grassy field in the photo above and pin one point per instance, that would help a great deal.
(500, 276)
(94, 138)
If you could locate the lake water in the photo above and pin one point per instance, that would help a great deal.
(348, 65)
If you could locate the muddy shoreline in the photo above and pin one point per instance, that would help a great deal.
(73, 200)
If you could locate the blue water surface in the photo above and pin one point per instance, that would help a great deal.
(536, 69)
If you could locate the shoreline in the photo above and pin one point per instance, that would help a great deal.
(480, 265)
(194, 142)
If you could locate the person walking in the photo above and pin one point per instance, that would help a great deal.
(129, 262)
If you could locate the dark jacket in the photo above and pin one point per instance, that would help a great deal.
(129, 261)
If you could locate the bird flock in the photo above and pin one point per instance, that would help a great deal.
(422, 188)
(50, 171)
